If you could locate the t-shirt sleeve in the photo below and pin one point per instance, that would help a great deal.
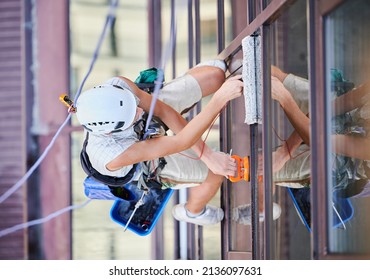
(101, 153)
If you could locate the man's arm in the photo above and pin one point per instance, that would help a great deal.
(352, 99)
(297, 118)
(346, 145)
(217, 162)
(351, 146)
(185, 138)
(284, 152)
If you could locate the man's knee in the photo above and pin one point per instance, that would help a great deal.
(214, 179)
(209, 78)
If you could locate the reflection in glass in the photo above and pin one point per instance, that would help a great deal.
(348, 91)
(290, 162)
(125, 52)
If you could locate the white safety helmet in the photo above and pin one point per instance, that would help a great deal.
(106, 108)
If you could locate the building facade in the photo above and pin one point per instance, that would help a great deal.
(45, 53)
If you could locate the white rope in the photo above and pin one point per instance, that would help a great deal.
(339, 216)
(17, 185)
(137, 205)
(168, 50)
(160, 78)
(41, 220)
(108, 24)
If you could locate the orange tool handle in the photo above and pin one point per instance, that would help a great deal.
(242, 169)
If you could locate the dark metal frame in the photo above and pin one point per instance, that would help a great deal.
(317, 9)
(155, 50)
(320, 171)
(266, 16)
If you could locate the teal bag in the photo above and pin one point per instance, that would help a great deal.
(147, 78)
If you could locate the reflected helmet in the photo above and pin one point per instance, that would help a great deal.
(106, 108)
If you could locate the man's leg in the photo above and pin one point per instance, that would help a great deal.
(197, 210)
(187, 90)
(242, 214)
(200, 195)
(297, 86)
(210, 75)
(278, 73)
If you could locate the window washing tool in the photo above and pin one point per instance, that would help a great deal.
(242, 169)
(251, 77)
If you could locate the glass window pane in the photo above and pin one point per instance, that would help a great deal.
(290, 154)
(347, 74)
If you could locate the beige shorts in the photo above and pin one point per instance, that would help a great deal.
(182, 93)
(183, 170)
(296, 172)
(299, 88)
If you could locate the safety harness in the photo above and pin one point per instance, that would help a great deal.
(143, 172)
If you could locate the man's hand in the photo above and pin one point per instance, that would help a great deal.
(279, 158)
(278, 91)
(219, 163)
(231, 89)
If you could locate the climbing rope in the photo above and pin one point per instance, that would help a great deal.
(108, 24)
(165, 57)
(42, 220)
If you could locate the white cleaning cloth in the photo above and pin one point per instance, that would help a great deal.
(252, 77)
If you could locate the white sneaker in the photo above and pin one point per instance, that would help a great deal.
(211, 215)
(243, 214)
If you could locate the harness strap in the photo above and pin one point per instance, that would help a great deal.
(148, 87)
(111, 181)
(157, 127)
